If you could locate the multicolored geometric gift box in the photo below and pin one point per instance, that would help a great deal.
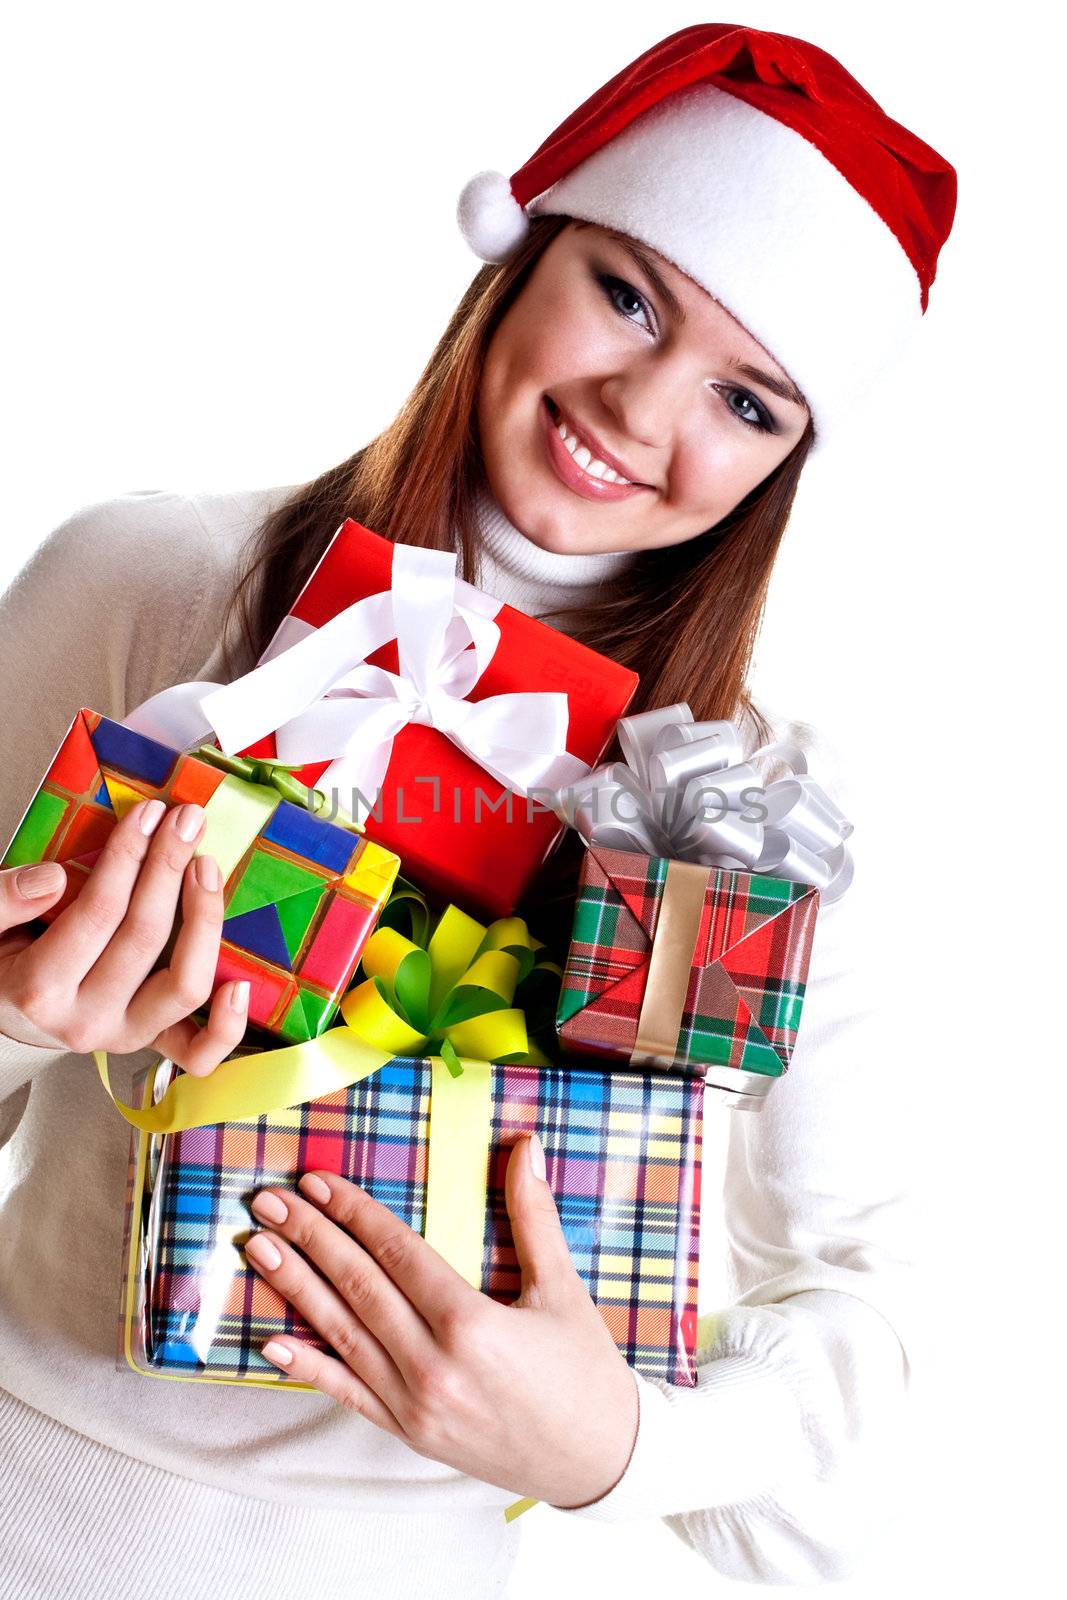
(677, 965)
(302, 895)
(623, 1160)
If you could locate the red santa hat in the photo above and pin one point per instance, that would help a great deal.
(755, 163)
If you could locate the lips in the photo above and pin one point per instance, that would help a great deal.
(592, 444)
(572, 473)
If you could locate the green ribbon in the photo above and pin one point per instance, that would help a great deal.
(276, 775)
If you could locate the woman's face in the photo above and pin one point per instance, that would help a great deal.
(653, 381)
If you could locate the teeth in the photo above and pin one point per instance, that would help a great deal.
(586, 460)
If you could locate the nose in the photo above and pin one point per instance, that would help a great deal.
(644, 398)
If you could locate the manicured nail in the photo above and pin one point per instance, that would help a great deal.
(535, 1150)
(190, 820)
(269, 1207)
(207, 872)
(278, 1353)
(34, 883)
(239, 995)
(314, 1188)
(149, 816)
(263, 1253)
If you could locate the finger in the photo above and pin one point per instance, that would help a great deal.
(305, 1365)
(200, 1050)
(432, 1286)
(143, 933)
(544, 1260)
(84, 929)
(322, 1307)
(26, 892)
(186, 983)
(360, 1282)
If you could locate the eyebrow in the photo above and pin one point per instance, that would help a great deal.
(779, 386)
(782, 387)
(663, 289)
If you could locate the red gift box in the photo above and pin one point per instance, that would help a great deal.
(448, 835)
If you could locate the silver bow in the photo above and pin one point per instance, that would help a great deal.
(687, 792)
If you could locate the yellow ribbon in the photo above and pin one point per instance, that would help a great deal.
(454, 996)
(250, 1086)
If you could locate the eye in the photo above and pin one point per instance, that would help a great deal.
(632, 305)
(746, 408)
(626, 300)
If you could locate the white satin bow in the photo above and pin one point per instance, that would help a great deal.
(316, 692)
(685, 792)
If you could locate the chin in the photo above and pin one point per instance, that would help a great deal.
(555, 543)
(526, 510)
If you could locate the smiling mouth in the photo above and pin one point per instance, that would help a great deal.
(584, 452)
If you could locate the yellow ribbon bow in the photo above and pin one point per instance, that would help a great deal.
(452, 995)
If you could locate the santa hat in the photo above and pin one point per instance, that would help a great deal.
(755, 163)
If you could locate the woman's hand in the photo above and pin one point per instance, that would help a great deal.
(533, 1397)
(84, 982)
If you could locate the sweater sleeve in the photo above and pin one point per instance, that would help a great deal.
(781, 1465)
(106, 612)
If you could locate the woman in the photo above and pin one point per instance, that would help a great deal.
(693, 275)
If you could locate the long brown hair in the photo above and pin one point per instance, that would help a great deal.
(685, 617)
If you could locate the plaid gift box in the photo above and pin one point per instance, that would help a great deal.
(673, 964)
(302, 894)
(623, 1160)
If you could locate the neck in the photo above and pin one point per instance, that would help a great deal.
(514, 569)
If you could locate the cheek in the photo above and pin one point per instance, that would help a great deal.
(713, 470)
(507, 402)
(508, 399)
(710, 473)
(509, 377)
(561, 337)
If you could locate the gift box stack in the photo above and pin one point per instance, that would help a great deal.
(395, 689)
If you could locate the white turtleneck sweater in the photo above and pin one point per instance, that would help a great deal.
(114, 1483)
(514, 569)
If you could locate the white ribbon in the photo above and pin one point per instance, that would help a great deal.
(316, 692)
(686, 792)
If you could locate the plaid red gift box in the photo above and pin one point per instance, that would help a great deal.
(677, 965)
(623, 1160)
(302, 895)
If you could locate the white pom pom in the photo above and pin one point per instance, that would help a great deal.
(490, 218)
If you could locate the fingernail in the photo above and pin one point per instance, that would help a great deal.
(278, 1353)
(269, 1207)
(239, 995)
(190, 819)
(207, 872)
(263, 1253)
(35, 882)
(535, 1150)
(314, 1187)
(150, 813)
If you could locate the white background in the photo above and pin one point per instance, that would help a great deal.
(231, 248)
